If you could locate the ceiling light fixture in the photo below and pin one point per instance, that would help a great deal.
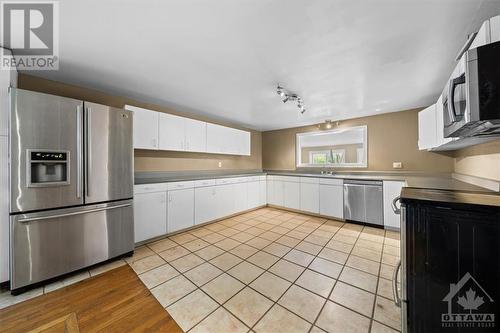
(289, 96)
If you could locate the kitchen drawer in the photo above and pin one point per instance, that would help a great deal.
(180, 185)
(223, 181)
(204, 182)
(309, 180)
(331, 181)
(149, 188)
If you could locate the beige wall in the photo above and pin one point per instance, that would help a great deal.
(391, 137)
(480, 161)
(148, 160)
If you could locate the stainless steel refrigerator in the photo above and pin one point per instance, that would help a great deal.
(71, 185)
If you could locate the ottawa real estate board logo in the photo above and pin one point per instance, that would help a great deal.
(29, 35)
(469, 305)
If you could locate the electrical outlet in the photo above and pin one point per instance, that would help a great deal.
(220, 164)
(397, 165)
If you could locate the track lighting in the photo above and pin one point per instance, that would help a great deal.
(288, 96)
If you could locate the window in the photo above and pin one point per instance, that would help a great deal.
(345, 147)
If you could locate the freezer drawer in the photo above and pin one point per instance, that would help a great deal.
(51, 243)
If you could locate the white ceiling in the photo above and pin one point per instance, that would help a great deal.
(223, 58)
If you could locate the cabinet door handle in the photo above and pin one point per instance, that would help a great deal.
(395, 293)
(394, 207)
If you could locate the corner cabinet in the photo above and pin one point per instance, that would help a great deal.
(162, 131)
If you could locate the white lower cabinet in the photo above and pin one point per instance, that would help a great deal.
(277, 191)
(331, 200)
(205, 201)
(150, 215)
(309, 195)
(291, 195)
(240, 197)
(180, 209)
(392, 190)
(224, 200)
(263, 191)
(253, 194)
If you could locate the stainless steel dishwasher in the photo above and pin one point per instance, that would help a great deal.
(363, 201)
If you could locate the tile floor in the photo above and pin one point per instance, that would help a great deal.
(274, 271)
(268, 270)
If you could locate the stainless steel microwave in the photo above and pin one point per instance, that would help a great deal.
(471, 98)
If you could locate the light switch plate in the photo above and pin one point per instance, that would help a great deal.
(397, 165)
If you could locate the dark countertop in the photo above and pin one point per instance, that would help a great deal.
(461, 197)
(413, 179)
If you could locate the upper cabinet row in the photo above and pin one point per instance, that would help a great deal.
(163, 131)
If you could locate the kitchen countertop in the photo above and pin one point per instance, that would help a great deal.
(413, 179)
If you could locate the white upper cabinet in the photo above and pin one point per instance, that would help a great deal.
(488, 33)
(427, 128)
(163, 131)
(145, 128)
(195, 133)
(171, 130)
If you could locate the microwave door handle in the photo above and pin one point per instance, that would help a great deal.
(451, 96)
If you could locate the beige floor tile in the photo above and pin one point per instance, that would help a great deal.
(392, 242)
(374, 231)
(363, 264)
(223, 287)
(190, 310)
(220, 321)
(318, 240)
(270, 285)
(385, 288)
(158, 275)
(172, 290)
(248, 306)
(244, 251)
(392, 250)
(242, 237)
(359, 279)
(266, 226)
(258, 243)
(195, 245)
(187, 262)
(269, 235)
(363, 252)
(323, 233)
(387, 313)
(302, 302)
(277, 249)
(263, 260)
(182, 238)
(215, 227)
(242, 226)
(308, 248)
(6, 299)
(173, 253)
(109, 266)
(213, 238)
(287, 270)
(227, 244)
(245, 272)
(339, 246)
(369, 245)
(390, 260)
(299, 257)
(353, 298)
(146, 264)
(386, 271)
(200, 232)
(255, 231)
(335, 318)
(316, 282)
(225, 261)
(280, 320)
(316, 330)
(280, 230)
(288, 241)
(229, 232)
(344, 239)
(379, 328)
(139, 253)
(352, 226)
(162, 245)
(203, 273)
(297, 234)
(326, 267)
(209, 252)
(371, 237)
(333, 255)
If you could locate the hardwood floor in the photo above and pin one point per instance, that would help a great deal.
(115, 301)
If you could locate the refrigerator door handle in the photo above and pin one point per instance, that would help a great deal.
(78, 151)
(39, 218)
(89, 149)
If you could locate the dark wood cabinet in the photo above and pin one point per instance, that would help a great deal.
(452, 267)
